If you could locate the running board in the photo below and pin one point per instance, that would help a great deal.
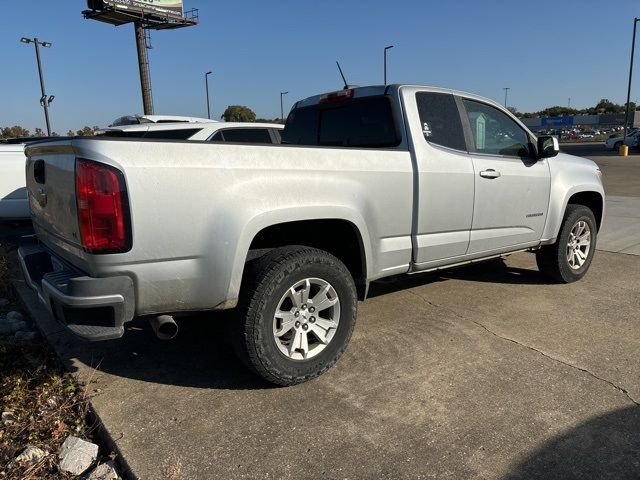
(413, 270)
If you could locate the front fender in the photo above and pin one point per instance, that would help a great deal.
(569, 175)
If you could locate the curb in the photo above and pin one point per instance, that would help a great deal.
(56, 336)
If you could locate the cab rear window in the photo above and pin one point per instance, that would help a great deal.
(357, 123)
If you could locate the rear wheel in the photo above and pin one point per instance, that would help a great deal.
(569, 258)
(298, 311)
(616, 146)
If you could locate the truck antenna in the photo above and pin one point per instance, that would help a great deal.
(346, 86)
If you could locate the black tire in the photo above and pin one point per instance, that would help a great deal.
(265, 281)
(552, 259)
(616, 146)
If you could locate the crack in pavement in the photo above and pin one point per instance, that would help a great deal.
(557, 360)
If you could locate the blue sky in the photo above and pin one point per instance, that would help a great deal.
(545, 51)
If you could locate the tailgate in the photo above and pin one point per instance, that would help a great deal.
(50, 176)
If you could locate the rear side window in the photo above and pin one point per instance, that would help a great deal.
(217, 137)
(178, 134)
(242, 135)
(440, 119)
(122, 134)
(360, 123)
(158, 134)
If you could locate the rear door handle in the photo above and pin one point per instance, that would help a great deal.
(490, 173)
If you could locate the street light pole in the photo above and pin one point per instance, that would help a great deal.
(626, 110)
(281, 105)
(385, 62)
(206, 83)
(44, 100)
(506, 92)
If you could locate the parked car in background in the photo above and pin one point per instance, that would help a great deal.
(14, 203)
(230, 132)
(614, 142)
(369, 182)
(140, 119)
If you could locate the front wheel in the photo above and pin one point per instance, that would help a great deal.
(297, 314)
(569, 258)
(617, 146)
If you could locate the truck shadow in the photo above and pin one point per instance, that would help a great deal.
(202, 356)
(491, 271)
(605, 447)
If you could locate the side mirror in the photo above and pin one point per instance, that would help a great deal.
(548, 146)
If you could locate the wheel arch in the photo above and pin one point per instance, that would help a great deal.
(588, 194)
(344, 235)
(592, 200)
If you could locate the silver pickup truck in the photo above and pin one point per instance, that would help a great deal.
(369, 182)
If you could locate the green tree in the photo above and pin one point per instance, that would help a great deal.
(238, 113)
(557, 111)
(605, 106)
(87, 131)
(70, 133)
(266, 120)
(515, 111)
(12, 132)
(38, 132)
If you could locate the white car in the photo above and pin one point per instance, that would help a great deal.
(614, 142)
(13, 191)
(230, 132)
(14, 202)
(139, 119)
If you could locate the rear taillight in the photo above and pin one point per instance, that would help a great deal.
(103, 210)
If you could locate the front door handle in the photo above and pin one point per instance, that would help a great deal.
(490, 173)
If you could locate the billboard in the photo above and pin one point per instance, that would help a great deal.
(170, 8)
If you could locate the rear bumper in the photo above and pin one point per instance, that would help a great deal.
(92, 308)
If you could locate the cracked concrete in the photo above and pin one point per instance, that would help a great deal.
(580, 369)
(544, 354)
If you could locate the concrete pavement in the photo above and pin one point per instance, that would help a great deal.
(621, 228)
(480, 372)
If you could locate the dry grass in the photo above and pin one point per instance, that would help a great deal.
(5, 276)
(47, 405)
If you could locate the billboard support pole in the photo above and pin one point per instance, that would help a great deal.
(143, 63)
(626, 110)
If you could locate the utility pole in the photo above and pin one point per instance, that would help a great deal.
(626, 110)
(206, 83)
(143, 63)
(44, 100)
(385, 62)
(569, 103)
(281, 106)
(506, 92)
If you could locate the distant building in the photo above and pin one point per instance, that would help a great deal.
(575, 121)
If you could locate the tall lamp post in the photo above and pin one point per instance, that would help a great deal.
(385, 62)
(44, 100)
(626, 110)
(281, 105)
(206, 84)
(506, 92)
